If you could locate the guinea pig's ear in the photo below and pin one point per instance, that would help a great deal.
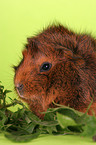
(63, 51)
(24, 52)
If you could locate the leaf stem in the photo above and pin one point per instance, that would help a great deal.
(4, 96)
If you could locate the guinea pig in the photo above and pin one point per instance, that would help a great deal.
(58, 66)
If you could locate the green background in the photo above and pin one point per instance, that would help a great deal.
(20, 19)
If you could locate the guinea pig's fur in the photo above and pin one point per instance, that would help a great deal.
(58, 66)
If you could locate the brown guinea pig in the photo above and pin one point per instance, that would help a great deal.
(58, 65)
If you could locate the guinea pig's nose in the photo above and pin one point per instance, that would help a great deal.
(19, 87)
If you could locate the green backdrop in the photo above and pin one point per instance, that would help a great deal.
(20, 19)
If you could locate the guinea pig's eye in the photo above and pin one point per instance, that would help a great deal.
(45, 67)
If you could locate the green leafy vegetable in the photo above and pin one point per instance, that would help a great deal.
(65, 121)
(23, 126)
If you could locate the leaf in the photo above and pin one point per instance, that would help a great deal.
(49, 123)
(69, 112)
(32, 116)
(7, 91)
(66, 111)
(30, 128)
(90, 127)
(3, 119)
(51, 130)
(82, 119)
(22, 138)
(65, 121)
(49, 116)
(1, 87)
(1, 97)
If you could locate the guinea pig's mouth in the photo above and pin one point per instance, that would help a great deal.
(20, 90)
(20, 94)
